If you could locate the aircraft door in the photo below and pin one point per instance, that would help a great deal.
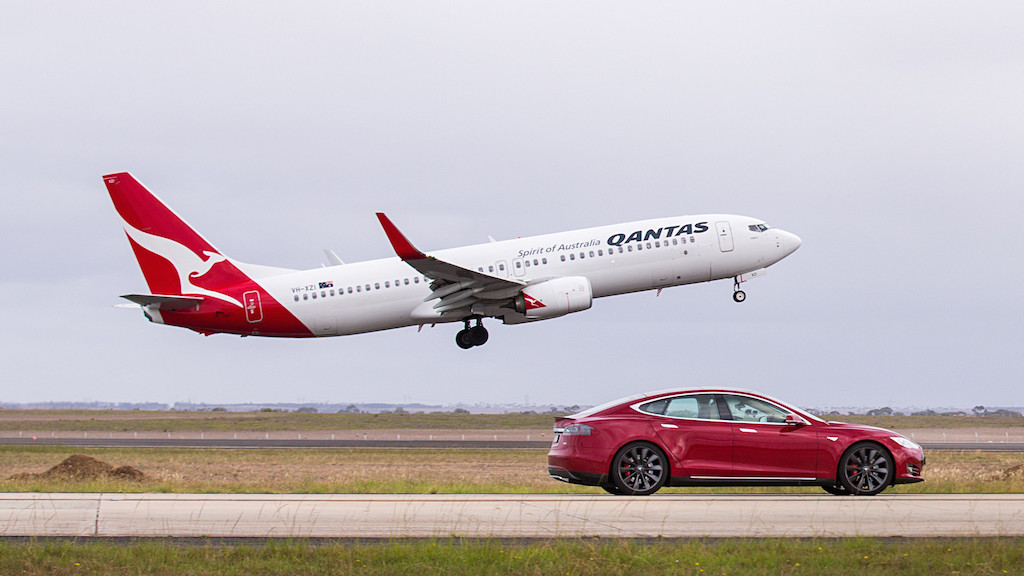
(501, 269)
(518, 268)
(724, 236)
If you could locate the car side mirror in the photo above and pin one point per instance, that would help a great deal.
(795, 420)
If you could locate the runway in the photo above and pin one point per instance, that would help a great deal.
(508, 516)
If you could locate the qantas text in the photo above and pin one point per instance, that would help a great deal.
(654, 234)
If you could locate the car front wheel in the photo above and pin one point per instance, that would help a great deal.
(865, 469)
(639, 469)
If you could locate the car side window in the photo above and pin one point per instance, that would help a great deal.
(698, 406)
(746, 409)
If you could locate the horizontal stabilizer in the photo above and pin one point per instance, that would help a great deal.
(164, 303)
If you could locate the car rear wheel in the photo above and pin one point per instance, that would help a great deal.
(865, 469)
(639, 469)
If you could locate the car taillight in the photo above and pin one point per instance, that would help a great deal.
(578, 430)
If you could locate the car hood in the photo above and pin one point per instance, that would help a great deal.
(861, 428)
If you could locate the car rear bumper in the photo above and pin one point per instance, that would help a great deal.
(584, 478)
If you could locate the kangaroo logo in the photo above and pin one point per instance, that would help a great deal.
(187, 264)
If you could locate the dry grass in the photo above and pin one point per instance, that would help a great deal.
(409, 471)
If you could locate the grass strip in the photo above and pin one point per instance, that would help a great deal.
(965, 556)
(412, 471)
(168, 421)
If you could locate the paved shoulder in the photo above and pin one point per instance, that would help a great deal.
(508, 516)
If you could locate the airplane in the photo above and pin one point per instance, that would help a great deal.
(194, 285)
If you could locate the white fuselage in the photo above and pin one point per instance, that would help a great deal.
(617, 259)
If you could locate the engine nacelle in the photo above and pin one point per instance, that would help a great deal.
(555, 298)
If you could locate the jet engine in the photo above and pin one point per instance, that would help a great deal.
(553, 298)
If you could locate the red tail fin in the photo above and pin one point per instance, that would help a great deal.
(174, 258)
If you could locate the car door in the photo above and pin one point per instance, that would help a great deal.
(691, 429)
(764, 446)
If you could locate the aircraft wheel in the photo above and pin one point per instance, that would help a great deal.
(464, 340)
(478, 335)
(739, 295)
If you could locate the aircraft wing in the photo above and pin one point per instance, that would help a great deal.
(459, 289)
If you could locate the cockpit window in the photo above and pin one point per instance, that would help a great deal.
(758, 227)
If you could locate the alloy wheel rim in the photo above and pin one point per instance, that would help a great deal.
(867, 469)
(640, 469)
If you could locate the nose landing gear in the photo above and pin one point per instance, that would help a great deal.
(737, 294)
(469, 337)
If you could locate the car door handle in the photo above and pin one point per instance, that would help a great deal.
(750, 430)
(663, 425)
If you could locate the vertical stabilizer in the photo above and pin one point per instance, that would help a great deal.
(174, 258)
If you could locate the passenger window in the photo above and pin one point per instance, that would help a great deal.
(416, 280)
(490, 269)
(657, 244)
(359, 288)
(323, 294)
(332, 293)
(563, 257)
(367, 287)
(314, 295)
(684, 407)
(387, 284)
(700, 406)
(406, 281)
(296, 297)
(591, 253)
(349, 289)
(600, 252)
(305, 296)
(572, 256)
(545, 261)
(746, 409)
(519, 264)
(376, 286)
(656, 407)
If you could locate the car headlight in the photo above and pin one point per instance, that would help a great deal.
(905, 442)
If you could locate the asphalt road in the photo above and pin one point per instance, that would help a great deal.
(508, 516)
(262, 444)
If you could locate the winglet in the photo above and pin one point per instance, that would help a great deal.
(405, 250)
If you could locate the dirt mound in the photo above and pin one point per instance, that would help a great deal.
(1014, 472)
(82, 467)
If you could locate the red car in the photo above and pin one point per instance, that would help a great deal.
(723, 437)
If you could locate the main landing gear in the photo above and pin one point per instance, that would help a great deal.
(469, 337)
(737, 294)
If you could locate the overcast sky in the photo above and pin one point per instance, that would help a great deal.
(888, 136)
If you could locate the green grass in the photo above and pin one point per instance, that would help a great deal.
(131, 421)
(992, 556)
(165, 421)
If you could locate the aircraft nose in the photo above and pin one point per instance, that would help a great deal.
(789, 242)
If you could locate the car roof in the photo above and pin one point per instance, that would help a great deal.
(674, 391)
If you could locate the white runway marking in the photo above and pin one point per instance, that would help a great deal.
(508, 516)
